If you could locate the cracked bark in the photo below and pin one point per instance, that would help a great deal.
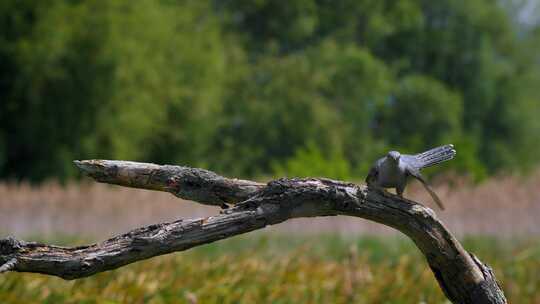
(462, 277)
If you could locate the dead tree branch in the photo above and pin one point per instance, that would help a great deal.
(461, 276)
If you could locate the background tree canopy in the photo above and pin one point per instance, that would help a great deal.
(257, 88)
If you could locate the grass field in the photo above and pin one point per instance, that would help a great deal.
(277, 269)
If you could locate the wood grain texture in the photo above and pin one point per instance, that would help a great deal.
(461, 276)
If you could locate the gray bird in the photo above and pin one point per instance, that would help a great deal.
(393, 170)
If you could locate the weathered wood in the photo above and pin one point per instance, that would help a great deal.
(461, 276)
(198, 185)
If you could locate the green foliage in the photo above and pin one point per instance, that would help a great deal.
(112, 80)
(423, 112)
(271, 111)
(279, 269)
(310, 162)
(269, 23)
(357, 84)
(251, 87)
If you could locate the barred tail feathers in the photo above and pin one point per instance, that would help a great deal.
(436, 156)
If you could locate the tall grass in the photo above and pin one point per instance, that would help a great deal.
(263, 269)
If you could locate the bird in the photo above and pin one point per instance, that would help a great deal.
(393, 170)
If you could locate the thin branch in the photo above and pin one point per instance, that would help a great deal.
(461, 276)
(199, 185)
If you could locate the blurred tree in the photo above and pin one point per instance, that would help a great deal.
(267, 24)
(325, 98)
(356, 85)
(110, 79)
(274, 109)
(422, 113)
(309, 161)
(472, 48)
(242, 86)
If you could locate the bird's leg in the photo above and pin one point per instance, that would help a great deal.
(399, 190)
(376, 187)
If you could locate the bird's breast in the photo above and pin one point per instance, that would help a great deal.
(389, 175)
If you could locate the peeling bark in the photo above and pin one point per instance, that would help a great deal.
(461, 276)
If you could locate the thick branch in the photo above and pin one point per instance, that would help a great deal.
(462, 277)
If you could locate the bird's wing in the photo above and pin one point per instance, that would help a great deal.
(412, 162)
(416, 174)
(372, 174)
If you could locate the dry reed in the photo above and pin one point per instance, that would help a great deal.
(507, 206)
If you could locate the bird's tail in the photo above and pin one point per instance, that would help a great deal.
(436, 156)
(433, 195)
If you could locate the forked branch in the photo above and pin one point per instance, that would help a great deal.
(461, 276)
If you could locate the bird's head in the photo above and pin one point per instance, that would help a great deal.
(394, 155)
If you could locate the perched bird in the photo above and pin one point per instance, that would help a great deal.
(393, 170)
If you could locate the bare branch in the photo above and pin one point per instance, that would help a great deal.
(9, 265)
(462, 277)
(199, 185)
